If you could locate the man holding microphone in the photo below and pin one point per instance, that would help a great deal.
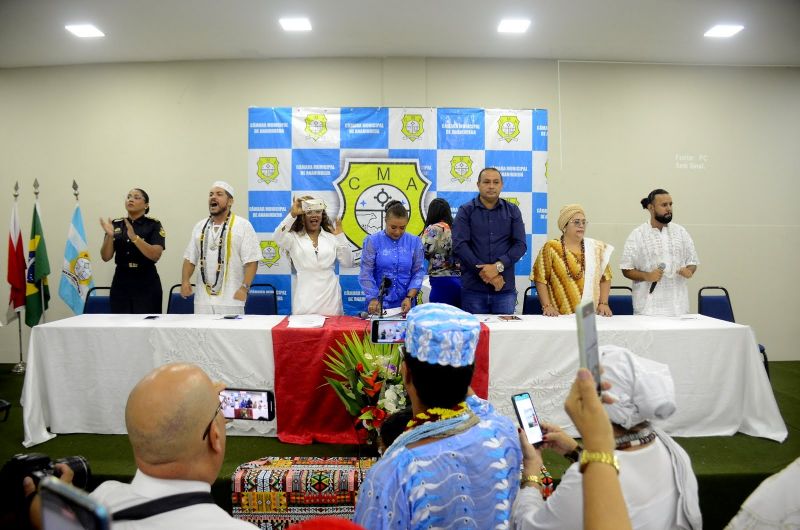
(659, 256)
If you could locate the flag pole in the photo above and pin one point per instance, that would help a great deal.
(41, 291)
(18, 368)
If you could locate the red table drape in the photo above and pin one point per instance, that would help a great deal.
(307, 409)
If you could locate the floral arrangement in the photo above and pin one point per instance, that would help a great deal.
(366, 377)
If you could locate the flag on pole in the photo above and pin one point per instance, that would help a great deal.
(37, 292)
(16, 267)
(76, 272)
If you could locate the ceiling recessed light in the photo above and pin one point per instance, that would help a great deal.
(723, 30)
(295, 24)
(513, 25)
(84, 31)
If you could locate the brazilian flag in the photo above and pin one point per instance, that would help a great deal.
(37, 293)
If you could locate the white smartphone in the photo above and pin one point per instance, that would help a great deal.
(247, 404)
(388, 331)
(65, 507)
(527, 417)
(588, 350)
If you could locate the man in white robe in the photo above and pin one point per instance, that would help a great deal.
(224, 251)
(659, 252)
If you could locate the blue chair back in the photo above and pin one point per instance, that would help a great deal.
(178, 305)
(715, 305)
(621, 304)
(531, 305)
(720, 306)
(98, 303)
(261, 300)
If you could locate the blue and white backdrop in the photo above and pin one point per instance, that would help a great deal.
(358, 158)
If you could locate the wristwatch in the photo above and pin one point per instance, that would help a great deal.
(500, 267)
(246, 287)
(587, 457)
(530, 479)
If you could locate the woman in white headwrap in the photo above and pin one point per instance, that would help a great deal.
(573, 268)
(314, 244)
(655, 473)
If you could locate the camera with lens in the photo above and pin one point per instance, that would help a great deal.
(37, 466)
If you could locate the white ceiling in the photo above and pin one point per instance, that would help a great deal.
(32, 31)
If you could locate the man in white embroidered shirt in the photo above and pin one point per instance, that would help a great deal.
(659, 256)
(225, 249)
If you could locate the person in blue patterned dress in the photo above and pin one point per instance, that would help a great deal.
(396, 255)
(457, 465)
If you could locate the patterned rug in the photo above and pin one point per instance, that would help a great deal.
(274, 492)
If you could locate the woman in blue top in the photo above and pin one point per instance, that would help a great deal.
(393, 254)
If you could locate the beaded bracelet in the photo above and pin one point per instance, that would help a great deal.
(547, 483)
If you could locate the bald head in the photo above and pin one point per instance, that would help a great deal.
(166, 414)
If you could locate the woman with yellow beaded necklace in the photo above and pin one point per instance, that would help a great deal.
(573, 268)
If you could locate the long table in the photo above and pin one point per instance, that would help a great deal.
(721, 386)
(81, 369)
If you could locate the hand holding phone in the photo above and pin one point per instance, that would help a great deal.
(247, 404)
(527, 417)
(388, 331)
(65, 506)
(588, 350)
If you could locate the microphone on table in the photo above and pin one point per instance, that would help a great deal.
(661, 267)
(364, 315)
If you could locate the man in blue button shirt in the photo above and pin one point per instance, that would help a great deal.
(489, 239)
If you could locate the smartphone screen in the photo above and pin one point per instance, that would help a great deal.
(247, 404)
(66, 507)
(528, 420)
(588, 351)
(388, 331)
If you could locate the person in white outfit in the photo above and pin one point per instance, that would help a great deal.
(224, 250)
(774, 505)
(659, 251)
(655, 473)
(314, 245)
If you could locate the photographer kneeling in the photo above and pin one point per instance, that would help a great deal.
(178, 438)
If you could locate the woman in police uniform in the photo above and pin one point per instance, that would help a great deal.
(137, 241)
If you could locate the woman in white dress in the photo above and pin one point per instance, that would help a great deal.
(313, 245)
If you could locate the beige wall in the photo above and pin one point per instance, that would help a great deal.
(615, 132)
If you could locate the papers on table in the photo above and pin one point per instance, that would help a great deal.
(388, 313)
(306, 321)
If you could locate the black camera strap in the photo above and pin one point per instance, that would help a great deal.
(162, 505)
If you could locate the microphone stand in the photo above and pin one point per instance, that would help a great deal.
(20, 367)
(381, 295)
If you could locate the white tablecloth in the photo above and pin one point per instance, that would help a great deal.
(720, 383)
(81, 369)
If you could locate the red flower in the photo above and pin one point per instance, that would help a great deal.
(378, 416)
(371, 384)
(360, 367)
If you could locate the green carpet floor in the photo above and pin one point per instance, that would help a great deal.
(727, 468)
